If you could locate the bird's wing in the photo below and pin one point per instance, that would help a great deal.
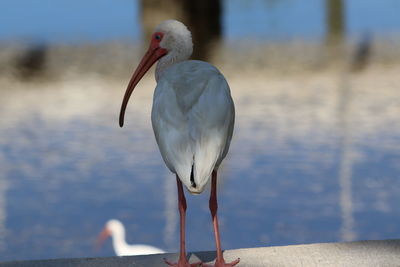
(193, 117)
(211, 126)
(171, 130)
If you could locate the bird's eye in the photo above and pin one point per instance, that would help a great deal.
(157, 37)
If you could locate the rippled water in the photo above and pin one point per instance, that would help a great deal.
(314, 158)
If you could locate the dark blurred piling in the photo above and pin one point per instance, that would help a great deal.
(204, 19)
(32, 62)
(335, 29)
(362, 54)
(335, 22)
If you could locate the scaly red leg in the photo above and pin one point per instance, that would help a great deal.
(183, 262)
(219, 262)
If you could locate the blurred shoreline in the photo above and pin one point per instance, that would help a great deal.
(285, 92)
(118, 59)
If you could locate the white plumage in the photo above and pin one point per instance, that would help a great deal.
(116, 229)
(193, 116)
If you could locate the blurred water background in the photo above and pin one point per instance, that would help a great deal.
(315, 153)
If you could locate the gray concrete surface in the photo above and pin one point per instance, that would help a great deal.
(382, 253)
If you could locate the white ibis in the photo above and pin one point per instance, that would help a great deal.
(193, 117)
(116, 230)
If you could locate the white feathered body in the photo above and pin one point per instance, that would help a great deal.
(121, 248)
(193, 117)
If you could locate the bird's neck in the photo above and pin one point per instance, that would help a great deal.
(119, 242)
(167, 61)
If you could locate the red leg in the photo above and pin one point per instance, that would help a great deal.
(183, 262)
(219, 262)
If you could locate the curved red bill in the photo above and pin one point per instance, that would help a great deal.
(154, 53)
(102, 237)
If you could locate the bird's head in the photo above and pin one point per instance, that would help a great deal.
(170, 43)
(110, 228)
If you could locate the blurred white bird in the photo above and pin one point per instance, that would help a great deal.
(116, 230)
(193, 117)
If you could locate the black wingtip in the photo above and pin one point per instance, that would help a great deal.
(193, 183)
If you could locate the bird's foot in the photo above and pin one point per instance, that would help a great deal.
(222, 263)
(182, 263)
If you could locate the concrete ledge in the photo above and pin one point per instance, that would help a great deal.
(380, 253)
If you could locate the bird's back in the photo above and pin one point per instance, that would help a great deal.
(193, 117)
